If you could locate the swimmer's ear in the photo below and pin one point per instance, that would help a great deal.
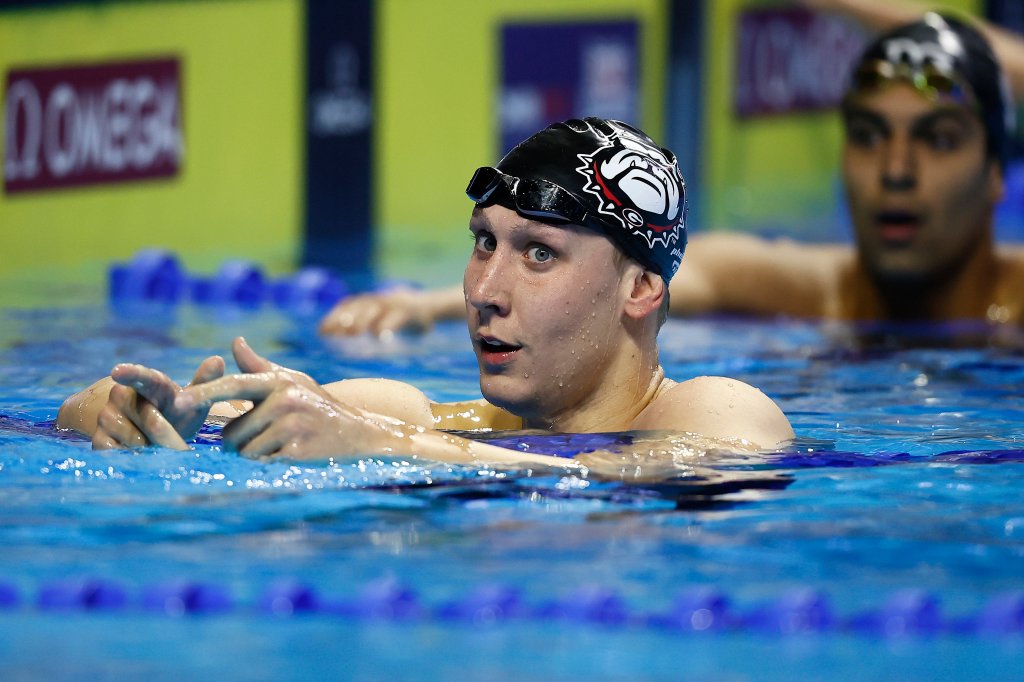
(648, 291)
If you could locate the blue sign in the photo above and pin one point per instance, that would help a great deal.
(554, 71)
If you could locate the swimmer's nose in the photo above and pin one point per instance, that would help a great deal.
(486, 284)
(898, 172)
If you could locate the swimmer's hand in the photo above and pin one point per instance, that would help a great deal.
(293, 416)
(400, 310)
(140, 408)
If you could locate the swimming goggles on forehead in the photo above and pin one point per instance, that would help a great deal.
(539, 199)
(931, 82)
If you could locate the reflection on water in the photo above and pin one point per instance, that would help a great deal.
(907, 473)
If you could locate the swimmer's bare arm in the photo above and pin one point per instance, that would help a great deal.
(741, 273)
(718, 408)
(393, 311)
(296, 418)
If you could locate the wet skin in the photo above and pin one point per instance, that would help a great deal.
(545, 316)
(920, 186)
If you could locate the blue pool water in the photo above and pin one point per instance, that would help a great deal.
(899, 523)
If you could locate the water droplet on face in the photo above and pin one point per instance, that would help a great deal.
(561, 385)
(526, 375)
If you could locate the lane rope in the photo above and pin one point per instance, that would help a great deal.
(698, 609)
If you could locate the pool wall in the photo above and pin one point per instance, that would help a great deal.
(237, 184)
(243, 187)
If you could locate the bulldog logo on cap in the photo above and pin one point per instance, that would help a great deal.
(637, 184)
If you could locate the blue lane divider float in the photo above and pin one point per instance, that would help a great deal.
(700, 609)
(155, 275)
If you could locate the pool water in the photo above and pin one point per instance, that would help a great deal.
(899, 523)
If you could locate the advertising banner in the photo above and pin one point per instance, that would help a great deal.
(555, 71)
(789, 59)
(93, 124)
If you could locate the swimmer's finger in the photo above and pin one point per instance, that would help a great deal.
(397, 320)
(363, 318)
(352, 317)
(157, 429)
(117, 418)
(101, 440)
(280, 412)
(248, 360)
(279, 440)
(338, 319)
(239, 432)
(209, 369)
(137, 422)
(150, 383)
(255, 387)
(267, 443)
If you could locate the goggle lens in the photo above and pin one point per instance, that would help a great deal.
(927, 80)
(534, 198)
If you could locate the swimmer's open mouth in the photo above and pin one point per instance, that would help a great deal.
(898, 226)
(490, 345)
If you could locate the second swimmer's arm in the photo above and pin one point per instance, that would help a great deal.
(394, 311)
(734, 272)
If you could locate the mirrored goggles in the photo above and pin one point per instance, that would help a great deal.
(539, 199)
(931, 82)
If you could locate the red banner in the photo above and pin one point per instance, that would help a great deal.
(70, 126)
(791, 59)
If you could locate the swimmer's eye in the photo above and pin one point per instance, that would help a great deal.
(485, 241)
(943, 140)
(540, 254)
(863, 134)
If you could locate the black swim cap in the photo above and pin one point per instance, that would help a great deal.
(601, 174)
(942, 47)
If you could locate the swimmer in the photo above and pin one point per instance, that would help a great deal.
(577, 233)
(926, 117)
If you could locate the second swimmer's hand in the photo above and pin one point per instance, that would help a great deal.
(384, 313)
(293, 417)
(394, 311)
(140, 408)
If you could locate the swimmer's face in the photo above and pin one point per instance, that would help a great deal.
(920, 186)
(544, 307)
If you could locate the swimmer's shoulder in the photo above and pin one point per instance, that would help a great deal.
(1011, 263)
(718, 408)
(385, 396)
(1010, 285)
(408, 403)
(471, 415)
